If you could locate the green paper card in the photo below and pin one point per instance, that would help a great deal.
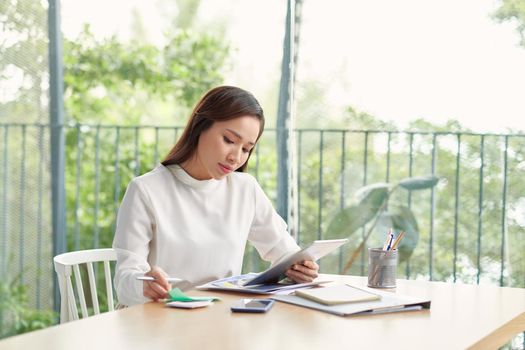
(177, 295)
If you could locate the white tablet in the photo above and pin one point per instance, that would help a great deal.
(313, 252)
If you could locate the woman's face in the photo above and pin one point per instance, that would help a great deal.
(224, 148)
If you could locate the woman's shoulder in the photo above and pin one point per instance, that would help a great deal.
(152, 177)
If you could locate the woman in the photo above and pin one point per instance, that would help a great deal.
(191, 216)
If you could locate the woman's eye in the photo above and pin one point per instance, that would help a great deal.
(227, 140)
(244, 150)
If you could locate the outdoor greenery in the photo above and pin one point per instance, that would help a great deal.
(512, 10)
(110, 82)
(15, 313)
(318, 206)
(113, 89)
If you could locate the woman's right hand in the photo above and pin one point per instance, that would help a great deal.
(159, 288)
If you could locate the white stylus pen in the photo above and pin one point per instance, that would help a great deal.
(149, 278)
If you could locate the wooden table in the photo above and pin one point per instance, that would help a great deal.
(461, 316)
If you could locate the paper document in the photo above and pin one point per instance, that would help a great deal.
(236, 284)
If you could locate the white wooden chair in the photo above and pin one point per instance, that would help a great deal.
(68, 262)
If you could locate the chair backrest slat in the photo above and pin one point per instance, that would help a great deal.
(64, 301)
(109, 285)
(73, 312)
(80, 291)
(67, 264)
(93, 287)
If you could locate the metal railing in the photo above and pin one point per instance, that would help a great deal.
(468, 209)
(471, 224)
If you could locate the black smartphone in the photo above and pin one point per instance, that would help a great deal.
(252, 305)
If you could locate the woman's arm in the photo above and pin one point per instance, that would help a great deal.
(268, 231)
(134, 232)
(273, 242)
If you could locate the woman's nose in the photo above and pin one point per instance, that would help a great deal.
(235, 156)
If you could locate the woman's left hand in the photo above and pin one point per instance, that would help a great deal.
(305, 272)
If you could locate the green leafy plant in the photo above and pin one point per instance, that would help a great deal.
(16, 317)
(371, 204)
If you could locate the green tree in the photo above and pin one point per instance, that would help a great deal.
(512, 10)
(107, 81)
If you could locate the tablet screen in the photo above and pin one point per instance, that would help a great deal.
(313, 252)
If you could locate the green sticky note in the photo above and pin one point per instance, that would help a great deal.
(177, 295)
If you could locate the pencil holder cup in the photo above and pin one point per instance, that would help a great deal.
(382, 267)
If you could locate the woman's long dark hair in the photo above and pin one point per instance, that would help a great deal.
(219, 104)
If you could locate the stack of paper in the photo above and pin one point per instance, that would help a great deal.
(339, 294)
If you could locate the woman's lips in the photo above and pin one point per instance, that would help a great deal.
(225, 169)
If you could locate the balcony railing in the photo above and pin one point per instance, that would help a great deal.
(471, 225)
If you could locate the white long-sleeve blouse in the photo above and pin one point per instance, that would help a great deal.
(194, 230)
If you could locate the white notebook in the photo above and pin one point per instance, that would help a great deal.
(339, 294)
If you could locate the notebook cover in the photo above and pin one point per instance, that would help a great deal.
(338, 294)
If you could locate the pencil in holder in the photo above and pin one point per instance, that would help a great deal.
(382, 267)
